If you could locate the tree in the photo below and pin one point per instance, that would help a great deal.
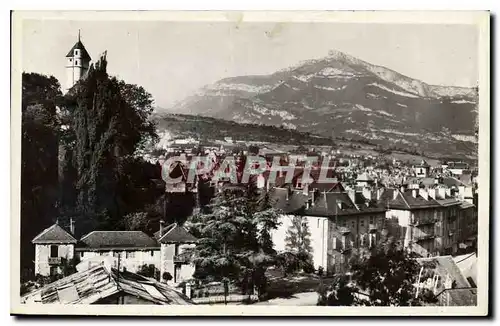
(149, 271)
(337, 293)
(234, 237)
(298, 236)
(109, 125)
(386, 277)
(39, 158)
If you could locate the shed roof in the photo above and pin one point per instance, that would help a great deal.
(95, 284)
(54, 234)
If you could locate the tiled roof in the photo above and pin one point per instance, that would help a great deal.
(117, 239)
(325, 203)
(98, 283)
(79, 45)
(54, 234)
(177, 234)
(405, 200)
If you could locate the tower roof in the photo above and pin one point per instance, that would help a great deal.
(79, 45)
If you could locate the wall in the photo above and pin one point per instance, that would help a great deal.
(131, 260)
(42, 254)
(167, 253)
(318, 227)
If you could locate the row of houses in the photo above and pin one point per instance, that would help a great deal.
(55, 247)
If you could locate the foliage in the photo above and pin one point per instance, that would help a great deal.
(337, 293)
(167, 276)
(109, 123)
(234, 237)
(149, 271)
(298, 236)
(39, 157)
(386, 277)
(292, 262)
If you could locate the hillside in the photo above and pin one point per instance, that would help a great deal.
(340, 95)
(206, 128)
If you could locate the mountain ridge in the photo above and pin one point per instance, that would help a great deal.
(340, 94)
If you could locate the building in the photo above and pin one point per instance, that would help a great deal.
(421, 169)
(427, 218)
(105, 285)
(54, 247)
(339, 221)
(130, 250)
(175, 240)
(123, 250)
(77, 63)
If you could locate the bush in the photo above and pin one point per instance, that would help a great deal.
(167, 276)
(320, 271)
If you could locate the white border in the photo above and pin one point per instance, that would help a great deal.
(481, 19)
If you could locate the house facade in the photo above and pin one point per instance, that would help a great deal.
(339, 223)
(428, 219)
(122, 250)
(54, 247)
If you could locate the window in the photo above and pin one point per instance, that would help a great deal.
(70, 60)
(76, 62)
(130, 254)
(53, 251)
(152, 253)
(81, 254)
(362, 222)
(344, 223)
(371, 220)
(76, 51)
(353, 224)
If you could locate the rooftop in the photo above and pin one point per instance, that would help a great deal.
(94, 285)
(54, 234)
(117, 239)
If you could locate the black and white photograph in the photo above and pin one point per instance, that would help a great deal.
(220, 162)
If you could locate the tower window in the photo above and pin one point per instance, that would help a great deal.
(76, 62)
(70, 60)
(76, 52)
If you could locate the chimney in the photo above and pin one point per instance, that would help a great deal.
(432, 193)
(367, 193)
(442, 192)
(414, 193)
(326, 202)
(57, 221)
(395, 194)
(352, 195)
(72, 226)
(379, 193)
(422, 192)
(161, 227)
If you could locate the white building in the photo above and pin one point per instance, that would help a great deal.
(77, 63)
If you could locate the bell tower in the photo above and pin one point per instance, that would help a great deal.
(77, 63)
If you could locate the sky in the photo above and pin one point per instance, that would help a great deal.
(172, 60)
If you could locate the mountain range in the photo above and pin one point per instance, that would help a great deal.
(342, 96)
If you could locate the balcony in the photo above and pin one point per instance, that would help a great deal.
(55, 260)
(344, 230)
(181, 259)
(424, 237)
(424, 222)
